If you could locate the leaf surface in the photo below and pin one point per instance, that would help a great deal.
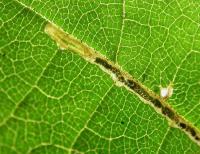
(54, 101)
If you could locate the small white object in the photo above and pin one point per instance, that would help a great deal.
(166, 92)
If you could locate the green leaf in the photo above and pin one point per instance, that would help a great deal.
(55, 99)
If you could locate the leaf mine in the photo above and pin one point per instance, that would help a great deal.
(122, 78)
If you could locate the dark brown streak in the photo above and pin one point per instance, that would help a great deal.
(157, 103)
(168, 112)
(103, 63)
(182, 125)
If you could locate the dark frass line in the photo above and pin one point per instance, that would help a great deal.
(122, 78)
(156, 102)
